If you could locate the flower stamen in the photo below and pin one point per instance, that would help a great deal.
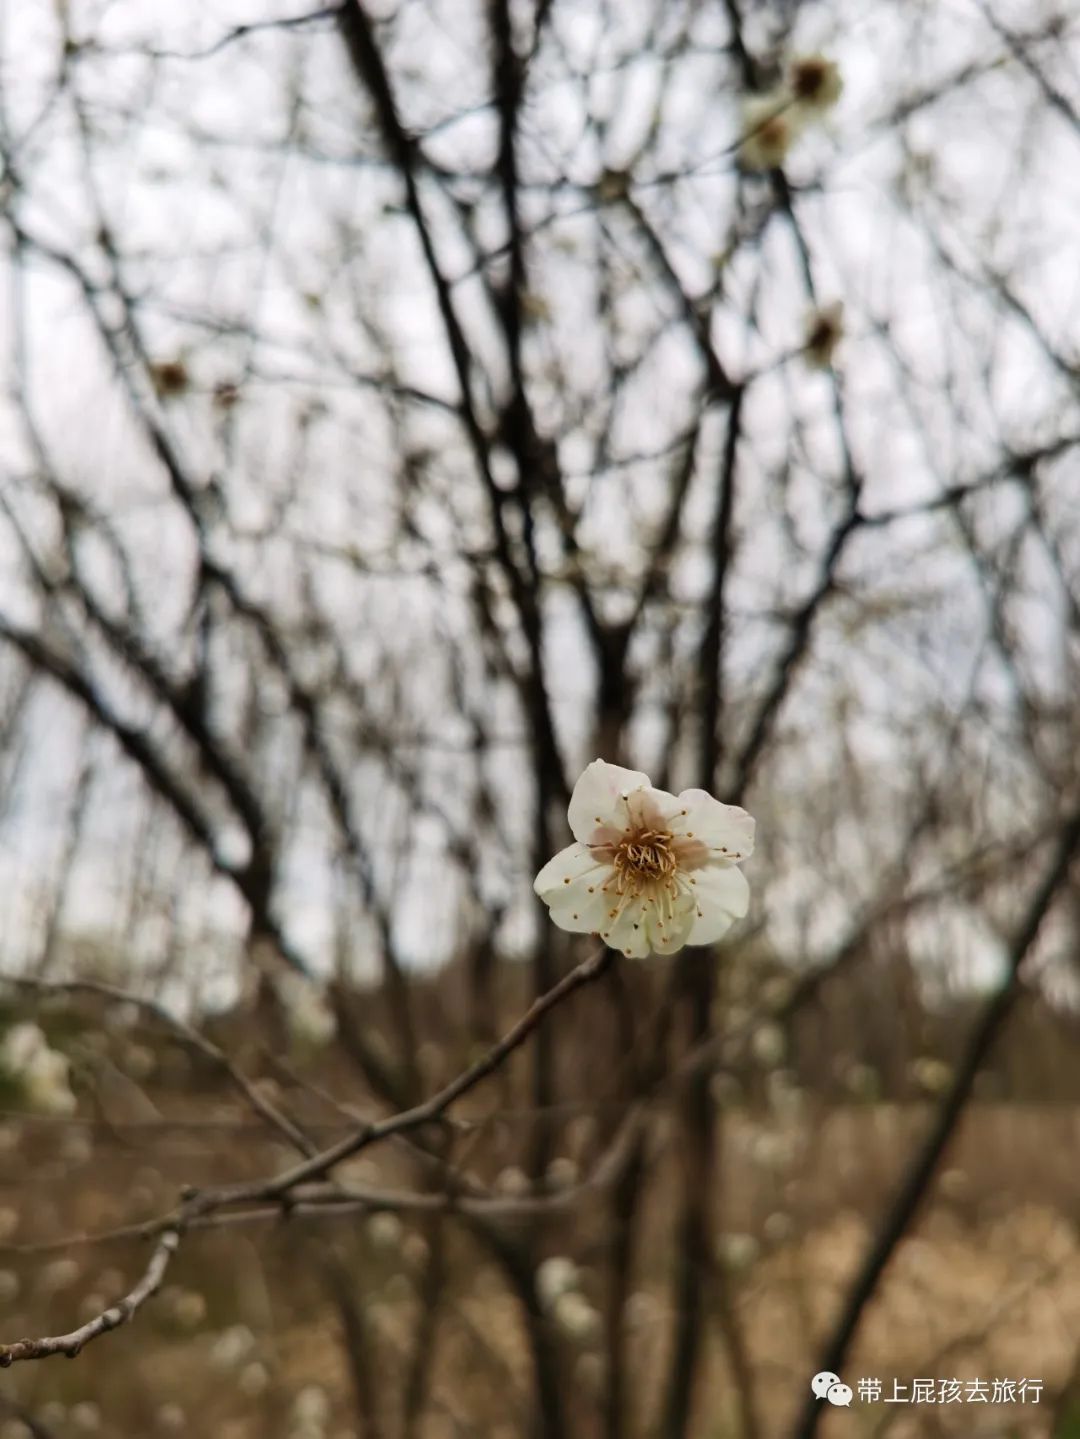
(644, 862)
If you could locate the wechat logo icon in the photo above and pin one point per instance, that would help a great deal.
(829, 1386)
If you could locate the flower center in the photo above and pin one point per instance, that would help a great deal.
(643, 859)
(809, 78)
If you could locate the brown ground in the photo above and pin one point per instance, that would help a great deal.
(987, 1286)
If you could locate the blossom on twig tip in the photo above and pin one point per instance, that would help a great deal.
(649, 871)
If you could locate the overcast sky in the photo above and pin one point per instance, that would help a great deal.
(262, 239)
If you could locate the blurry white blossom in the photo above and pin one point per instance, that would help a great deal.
(824, 331)
(41, 1073)
(308, 1014)
(648, 870)
(643, 1310)
(188, 1309)
(512, 1181)
(576, 1317)
(58, 1274)
(932, 1075)
(815, 84)
(254, 1380)
(85, 1417)
(16, 1429)
(554, 1278)
(562, 1172)
(768, 1045)
(385, 1230)
(770, 1150)
(311, 1406)
(21, 1043)
(47, 1085)
(232, 1347)
(770, 125)
(737, 1252)
(772, 122)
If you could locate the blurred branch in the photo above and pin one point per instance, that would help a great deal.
(916, 1182)
(186, 1033)
(230, 37)
(283, 1188)
(371, 70)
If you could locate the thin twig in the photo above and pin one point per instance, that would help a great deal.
(428, 1112)
(201, 1209)
(917, 1181)
(112, 1318)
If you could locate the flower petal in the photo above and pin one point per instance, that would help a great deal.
(649, 808)
(581, 907)
(670, 928)
(571, 886)
(629, 933)
(598, 799)
(641, 927)
(723, 896)
(569, 864)
(725, 830)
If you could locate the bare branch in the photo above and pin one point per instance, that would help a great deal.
(112, 1318)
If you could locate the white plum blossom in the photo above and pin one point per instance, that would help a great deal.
(188, 1308)
(42, 1073)
(47, 1085)
(738, 1251)
(816, 84)
(232, 1347)
(512, 1181)
(824, 331)
(85, 1416)
(772, 122)
(771, 125)
(576, 1317)
(21, 1043)
(385, 1231)
(58, 1275)
(768, 1045)
(648, 871)
(310, 1019)
(554, 1278)
(311, 1407)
